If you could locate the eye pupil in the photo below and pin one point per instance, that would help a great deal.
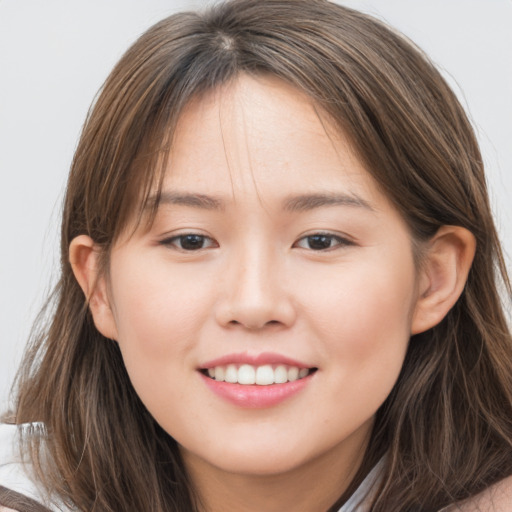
(319, 242)
(192, 242)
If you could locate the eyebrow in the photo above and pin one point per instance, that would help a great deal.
(307, 202)
(202, 201)
(299, 203)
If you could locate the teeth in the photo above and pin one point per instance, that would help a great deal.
(280, 374)
(264, 375)
(293, 373)
(303, 372)
(246, 374)
(231, 374)
(219, 373)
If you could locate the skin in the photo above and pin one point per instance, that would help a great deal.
(258, 284)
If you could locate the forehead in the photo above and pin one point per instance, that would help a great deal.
(261, 136)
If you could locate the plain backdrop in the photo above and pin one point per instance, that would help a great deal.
(54, 56)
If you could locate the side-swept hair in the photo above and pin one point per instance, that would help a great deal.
(447, 426)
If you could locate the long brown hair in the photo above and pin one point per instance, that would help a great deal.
(447, 425)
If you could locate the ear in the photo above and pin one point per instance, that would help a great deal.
(443, 275)
(84, 259)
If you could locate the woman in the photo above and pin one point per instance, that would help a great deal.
(279, 283)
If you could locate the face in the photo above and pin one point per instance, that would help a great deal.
(265, 315)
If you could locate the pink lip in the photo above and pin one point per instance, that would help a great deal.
(254, 396)
(255, 360)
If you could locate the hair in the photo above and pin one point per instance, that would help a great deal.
(447, 425)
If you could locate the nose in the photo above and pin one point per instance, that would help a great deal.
(254, 294)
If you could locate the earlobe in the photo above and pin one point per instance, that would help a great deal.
(443, 275)
(84, 260)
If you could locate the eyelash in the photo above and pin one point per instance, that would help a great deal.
(322, 236)
(177, 241)
(195, 238)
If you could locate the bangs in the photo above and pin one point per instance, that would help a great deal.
(124, 151)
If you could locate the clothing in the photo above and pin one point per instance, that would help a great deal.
(359, 501)
(17, 476)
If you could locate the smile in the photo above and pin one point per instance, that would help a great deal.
(256, 380)
(263, 375)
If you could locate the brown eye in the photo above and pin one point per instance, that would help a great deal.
(321, 242)
(189, 242)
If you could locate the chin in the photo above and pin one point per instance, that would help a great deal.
(253, 459)
(259, 465)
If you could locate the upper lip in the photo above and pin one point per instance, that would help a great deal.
(254, 360)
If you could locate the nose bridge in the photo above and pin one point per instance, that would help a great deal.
(255, 296)
(254, 275)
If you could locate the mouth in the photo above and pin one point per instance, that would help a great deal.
(262, 375)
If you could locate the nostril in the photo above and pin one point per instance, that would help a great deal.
(255, 312)
(255, 325)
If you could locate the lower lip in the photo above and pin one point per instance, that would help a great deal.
(254, 396)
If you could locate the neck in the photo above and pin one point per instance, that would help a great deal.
(314, 486)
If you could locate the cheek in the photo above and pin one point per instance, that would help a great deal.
(159, 317)
(364, 338)
(157, 312)
(363, 316)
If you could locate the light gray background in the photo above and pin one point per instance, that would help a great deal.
(55, 54)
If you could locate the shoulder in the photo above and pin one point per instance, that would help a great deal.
(15, 470)
(20, 490)
(497, 498)
(11, 501)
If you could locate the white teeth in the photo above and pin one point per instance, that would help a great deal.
(246, 374)
(264, 375)
(219, 373)
(231, 374)
(303, 372)
(293, 373)
(280, 374)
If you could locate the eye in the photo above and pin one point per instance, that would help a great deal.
(321, 242)
(189, 242)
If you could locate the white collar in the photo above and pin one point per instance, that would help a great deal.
(360, 500)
